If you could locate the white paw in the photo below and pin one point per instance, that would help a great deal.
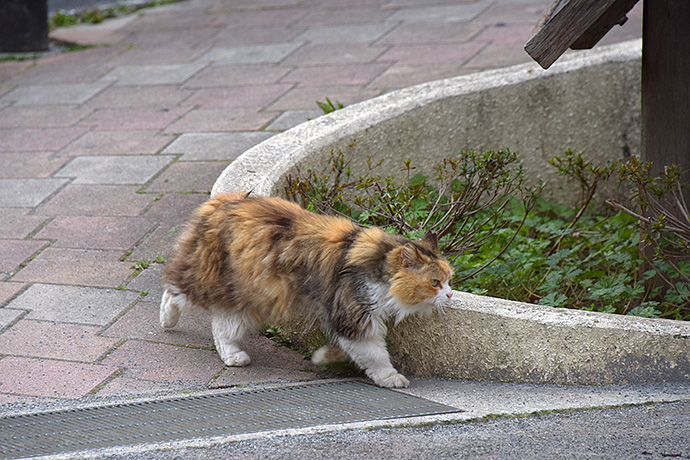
(319, 357)
(389, 379)
(169, 312)
(237, 359)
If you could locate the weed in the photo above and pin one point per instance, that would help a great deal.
(144, 293)
(328, 106)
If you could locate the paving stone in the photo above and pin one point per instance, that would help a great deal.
(47, 71)
(80, 267)
(261, 17)
(292, 118)
(161, 241)
(144, 96)
(117, 143)
(170, 37)
(215, 146)
(37, 140)
(159, 56)
(431, 33)
(19, 193)
(442, 13)
(141, 322)
(433, 54)
(501, 55)
(175, 208)
(356, 33)
(517, 15)
(73, 93)
(250, 54)
(158, 362)
(234, 36)
(96, 200)
(270, 363)
(148, 283)
(237, 75)
(115, 169)
(9, 69)
(305, 97)
(144, 75)
(9, 290)
(350, 15)
(345, 74)
(41, 339)
(73, 304)
(136, 118)
(16, 223)
(41, 116)
(48, 378)
(334, 53)
(7, 317)
(29, 164)
(205, 120)
(503, 34)
(14, 252)
(403, 75)
(197, 176)
(96, 232)
(238, 96)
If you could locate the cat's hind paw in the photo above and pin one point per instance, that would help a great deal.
(389, 379)
(236, 359)
(169, 311)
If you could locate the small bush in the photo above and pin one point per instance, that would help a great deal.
(506, 241)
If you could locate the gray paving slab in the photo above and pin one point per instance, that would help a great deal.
(74, 93)
(352, 33)
(115, 169)
(149, 75)
(215, 146)
(8, 316)
(250, 54)
(442, 13)
(73, 304)
(292, 118)
(23, 193)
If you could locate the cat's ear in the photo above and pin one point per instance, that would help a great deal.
(432, 240)
(410, 256)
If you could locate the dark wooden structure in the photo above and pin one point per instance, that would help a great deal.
(23, 25)
(581, 24)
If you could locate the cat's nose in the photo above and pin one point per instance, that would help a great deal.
(449, 294)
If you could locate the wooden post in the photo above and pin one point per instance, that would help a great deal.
(666, 85)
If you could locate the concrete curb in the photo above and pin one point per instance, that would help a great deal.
(482, 338)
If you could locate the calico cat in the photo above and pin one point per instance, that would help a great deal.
(251, 259)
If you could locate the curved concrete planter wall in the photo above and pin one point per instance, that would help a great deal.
(589, 102)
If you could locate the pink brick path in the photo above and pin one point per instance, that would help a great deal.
(105, 151)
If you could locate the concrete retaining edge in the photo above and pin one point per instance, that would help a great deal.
(483, 338)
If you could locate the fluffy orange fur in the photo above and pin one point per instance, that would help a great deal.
(255, 259)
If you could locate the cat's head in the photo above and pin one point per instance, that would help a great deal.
(420, 274)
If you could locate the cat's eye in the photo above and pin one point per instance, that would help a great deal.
(435, 283)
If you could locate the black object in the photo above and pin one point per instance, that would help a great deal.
(23, 25)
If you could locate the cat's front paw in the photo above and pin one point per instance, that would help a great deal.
(237, 359)
(389, 379)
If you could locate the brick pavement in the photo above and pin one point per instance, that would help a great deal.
(105, 151)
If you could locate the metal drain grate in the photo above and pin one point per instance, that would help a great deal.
(214, 415)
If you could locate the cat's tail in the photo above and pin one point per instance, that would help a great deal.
(329, 354)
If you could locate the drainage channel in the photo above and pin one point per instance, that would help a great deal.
(188, 418)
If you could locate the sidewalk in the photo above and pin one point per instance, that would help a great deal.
(105, 151)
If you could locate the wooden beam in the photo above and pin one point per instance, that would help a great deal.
(568, 22)
(666, 85)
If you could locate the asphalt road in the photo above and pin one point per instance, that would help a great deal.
(658, 431)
